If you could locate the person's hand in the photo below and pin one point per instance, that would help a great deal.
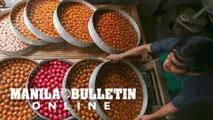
(144, 117)
(114, 57)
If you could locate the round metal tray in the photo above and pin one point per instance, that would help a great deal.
(33, 73)
(64, 85)
(64, 34)
(98, 40)
(18, 57)
(93, 81)
(19, 35)
(38, 33)
(20, 52)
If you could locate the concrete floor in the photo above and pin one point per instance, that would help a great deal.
(165, 25)
(160, 27)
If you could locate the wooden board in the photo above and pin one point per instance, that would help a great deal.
(65, 50)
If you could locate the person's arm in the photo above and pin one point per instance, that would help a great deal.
(157, 47)
(166, 110)
(137, 51)
(125, 2)
(133, 52)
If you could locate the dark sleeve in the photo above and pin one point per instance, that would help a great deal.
(188, 95)
(165, 45)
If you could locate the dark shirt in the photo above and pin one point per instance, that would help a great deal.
(193, 90)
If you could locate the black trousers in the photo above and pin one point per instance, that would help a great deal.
(202, 110)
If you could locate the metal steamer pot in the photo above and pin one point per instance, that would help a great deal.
(69, 38)
(20, 52)
(98, 40)
(93, 82)
(208, 6)
(64, 85)
(19, 35)
(36, 32)
(24, 58)
(32, 75)
(211, 18)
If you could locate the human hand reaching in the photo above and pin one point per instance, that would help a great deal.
(114, 57)
(144, 117)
